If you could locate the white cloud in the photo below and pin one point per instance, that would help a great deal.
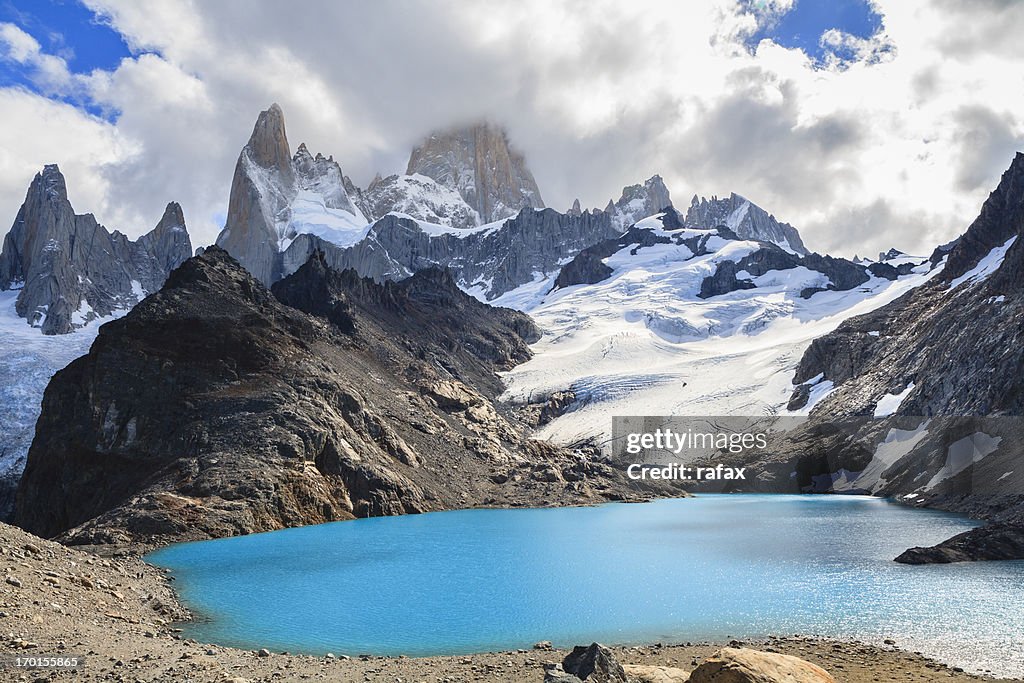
(48, 72)
(897, 147)
(38, 131)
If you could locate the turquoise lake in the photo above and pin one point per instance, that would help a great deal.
(707, 568)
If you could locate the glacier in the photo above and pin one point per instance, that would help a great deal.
(641, 342)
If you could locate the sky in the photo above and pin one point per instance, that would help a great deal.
(867, 124)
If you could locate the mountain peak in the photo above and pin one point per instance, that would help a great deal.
(745, 218)
(268, 144)
(478, 162)
(640, 201)
(1001, 218)
(50, 181)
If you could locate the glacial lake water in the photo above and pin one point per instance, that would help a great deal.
(708, 568)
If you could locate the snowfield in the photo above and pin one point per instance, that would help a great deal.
(28, 359)
(643, 343)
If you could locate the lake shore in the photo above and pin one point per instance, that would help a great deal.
(120, 614)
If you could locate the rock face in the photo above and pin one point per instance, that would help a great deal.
(639, 201)
(478, 163)
(276, 195)
(70, 270)
(746, 219)
(742, 665)
(214, 409)
(490, 262)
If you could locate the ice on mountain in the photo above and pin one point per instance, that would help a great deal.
(890, 403)
(897, 443)
(730, 354)
(986, 266)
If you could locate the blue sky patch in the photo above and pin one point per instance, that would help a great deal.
(66, 29)
(803, 25)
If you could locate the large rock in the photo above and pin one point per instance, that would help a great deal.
(594, 663)
(742, 665)
(71, 270)
(640, 673)
(478, 163)
(215, 408)
(992, 542)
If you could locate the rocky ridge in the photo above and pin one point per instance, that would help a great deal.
(745, 218)
(588, 266)
(70, 270)
(467, 202)
(214, 409)
(638, 201)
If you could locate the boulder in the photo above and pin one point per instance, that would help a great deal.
(743, 665)
(594, 663)
(639, 673)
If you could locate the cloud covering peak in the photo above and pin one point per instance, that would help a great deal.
(867, 141)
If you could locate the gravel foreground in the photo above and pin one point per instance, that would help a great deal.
(120, 614)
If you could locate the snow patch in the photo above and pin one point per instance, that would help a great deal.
(986, 266)
(890, 403)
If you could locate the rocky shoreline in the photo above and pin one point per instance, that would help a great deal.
(122, 616)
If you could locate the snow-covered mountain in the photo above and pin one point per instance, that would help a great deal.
(283, 208)
(468, 202)
(276, 196)
(639, 201)
(951, 349)
(419, 197)
(61, 275)
(637, 325)
(745, 218)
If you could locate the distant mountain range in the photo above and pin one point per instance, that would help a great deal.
(641, 308)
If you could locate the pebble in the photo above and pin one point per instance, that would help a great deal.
(264, 652)
(14, 582)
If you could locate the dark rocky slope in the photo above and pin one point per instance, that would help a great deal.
(214, 409)
(70, 269)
